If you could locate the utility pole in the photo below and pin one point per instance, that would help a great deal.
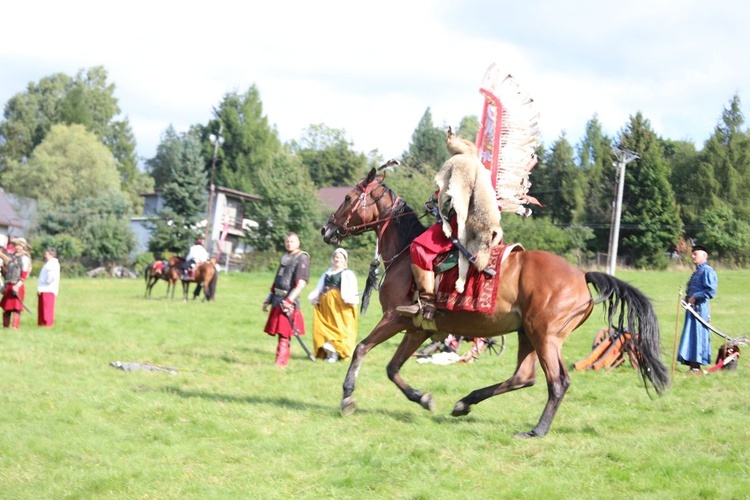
(623, 158)
(216, 140)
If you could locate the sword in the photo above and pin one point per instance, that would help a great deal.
(738, 341)
(296, 334)
(15, 294)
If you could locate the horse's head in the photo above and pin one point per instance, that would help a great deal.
(359, 211)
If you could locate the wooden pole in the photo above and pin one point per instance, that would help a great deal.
(676, 327)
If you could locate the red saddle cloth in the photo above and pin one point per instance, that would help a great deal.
(480, 292)
(159, 266)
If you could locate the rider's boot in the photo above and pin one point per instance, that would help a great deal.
(425, 281)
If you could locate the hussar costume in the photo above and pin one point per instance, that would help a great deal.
(294, 267)
(18, 267)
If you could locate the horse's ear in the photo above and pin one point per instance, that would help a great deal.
(389, 163)
(371, 176)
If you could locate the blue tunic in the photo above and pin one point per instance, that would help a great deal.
(695, 344)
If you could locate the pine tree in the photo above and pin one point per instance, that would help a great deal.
(595, 160)
(650, 223)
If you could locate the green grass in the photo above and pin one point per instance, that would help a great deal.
(230, 424)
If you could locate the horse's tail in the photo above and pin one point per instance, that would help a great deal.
(147, 272)
(642, 324)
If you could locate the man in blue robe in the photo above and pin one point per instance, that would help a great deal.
(695, 344)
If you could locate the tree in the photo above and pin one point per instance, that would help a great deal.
(250, 143)
(469, 128)
(723, 232)
(692, 180)
(69, 164)
(328, 156)
(565, 183)
(179, 161)
(650, 220)
(726, 155)
(289, 203)
(427, 151)
(167, 157)
(595, 160)
(100, 224)
(86, 99)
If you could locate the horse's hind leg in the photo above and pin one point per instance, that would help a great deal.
(409, 345)
(388, 326)
(524, 376)
(558, 381)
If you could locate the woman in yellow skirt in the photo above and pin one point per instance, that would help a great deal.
(335, 313)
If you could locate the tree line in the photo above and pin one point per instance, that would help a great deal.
(65, 142)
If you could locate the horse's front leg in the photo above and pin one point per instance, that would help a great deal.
(389, 325)
(409, 345)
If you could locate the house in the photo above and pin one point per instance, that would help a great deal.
(223, 235)
(17, 216)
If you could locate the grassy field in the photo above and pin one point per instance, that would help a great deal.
(229, 424)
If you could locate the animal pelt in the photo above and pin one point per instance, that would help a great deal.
(465, 183)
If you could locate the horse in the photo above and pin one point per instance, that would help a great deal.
(540, 295)
(154, 273)
(205, 277)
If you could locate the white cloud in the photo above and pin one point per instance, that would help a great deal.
(373, 69)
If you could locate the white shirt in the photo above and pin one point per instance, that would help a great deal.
(198, 253)
(349, 293)
(49, 277)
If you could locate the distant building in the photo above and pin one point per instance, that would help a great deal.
(228, 225)
(17, 216)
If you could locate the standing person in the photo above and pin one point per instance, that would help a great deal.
(291, 278)
(195, 257)
(335, 315)
(18, 269)
(47, 288)
(695, 343)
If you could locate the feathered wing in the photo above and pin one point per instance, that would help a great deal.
(507, 139)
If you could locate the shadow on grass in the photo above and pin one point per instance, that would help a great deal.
(403, 417)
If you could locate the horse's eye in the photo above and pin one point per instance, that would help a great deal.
(347, 198)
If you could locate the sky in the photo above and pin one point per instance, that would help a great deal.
(373, 68)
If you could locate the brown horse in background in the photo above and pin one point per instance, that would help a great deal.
(205, 278)
(153, 274)
(540, 296)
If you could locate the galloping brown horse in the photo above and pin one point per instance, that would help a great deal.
(205, 278)
(166, 272)
(540, 295)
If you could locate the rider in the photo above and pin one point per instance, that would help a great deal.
(426, 247)
(195, 257)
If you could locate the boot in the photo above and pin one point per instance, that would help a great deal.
(425, 281)
(282, 352)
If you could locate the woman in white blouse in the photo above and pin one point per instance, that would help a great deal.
(335, 298)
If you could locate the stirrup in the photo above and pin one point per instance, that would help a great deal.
(408, 311)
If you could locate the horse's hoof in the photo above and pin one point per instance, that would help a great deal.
(461, 409)
(347, 406)
(428, 402)
(525, 435)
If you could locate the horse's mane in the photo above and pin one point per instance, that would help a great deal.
(409, 227)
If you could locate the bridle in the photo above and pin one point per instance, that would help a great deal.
(368, 195)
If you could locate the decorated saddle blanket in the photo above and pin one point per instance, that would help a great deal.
(480, 292)
(159, 266)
